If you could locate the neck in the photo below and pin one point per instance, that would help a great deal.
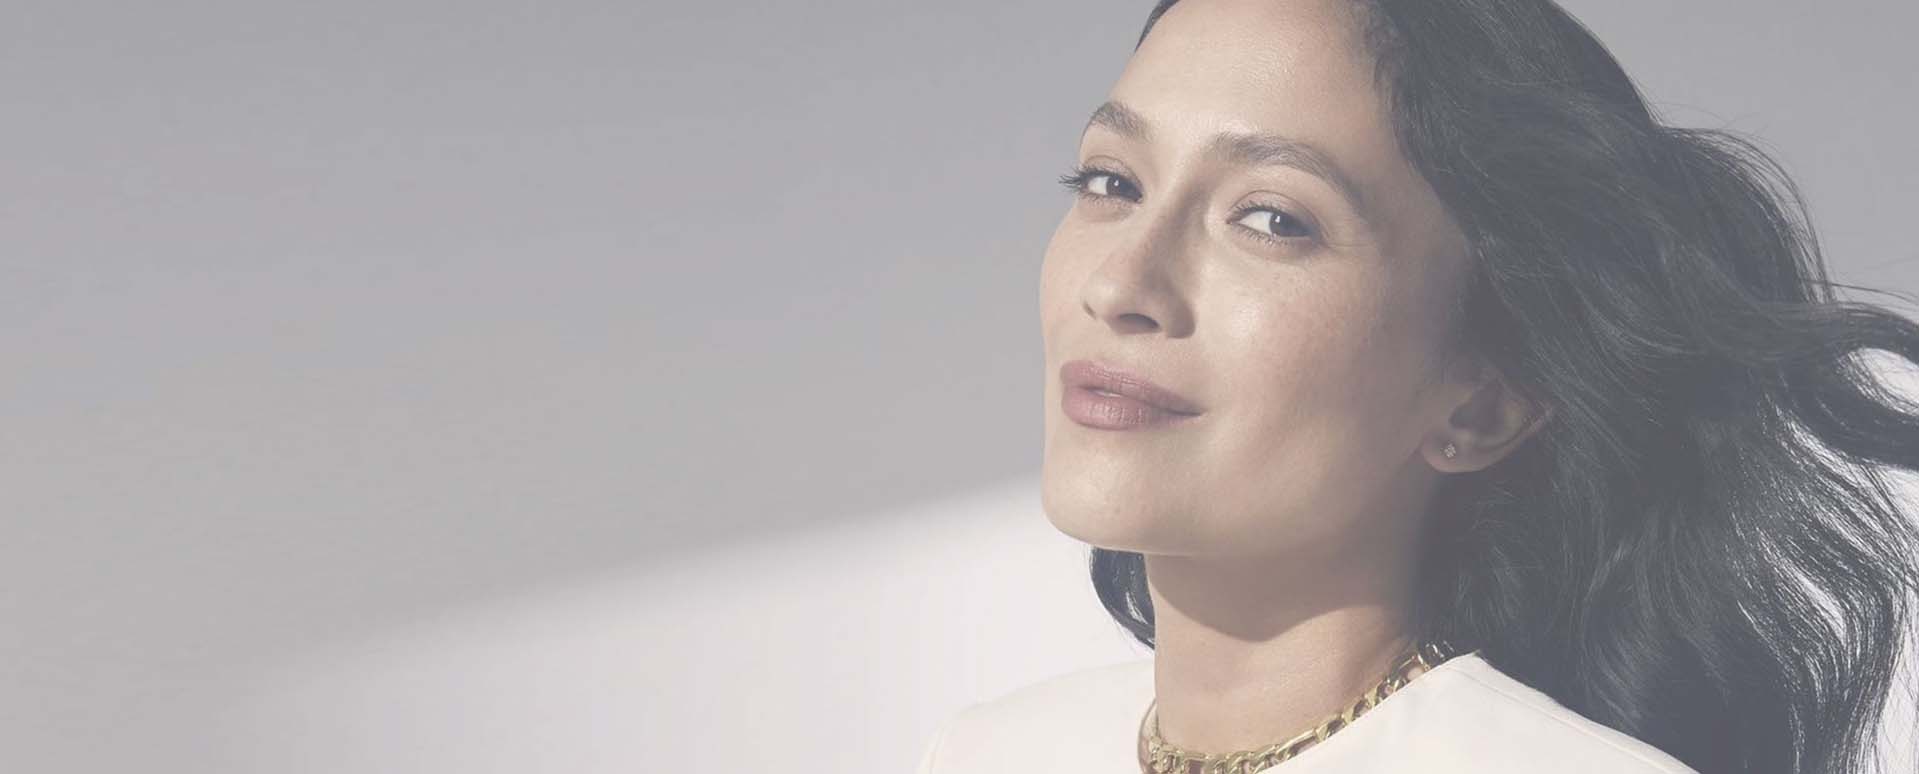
(1248, 652)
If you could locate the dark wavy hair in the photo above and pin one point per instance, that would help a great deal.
(1700, 547)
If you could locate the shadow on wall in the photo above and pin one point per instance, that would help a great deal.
(841, 647)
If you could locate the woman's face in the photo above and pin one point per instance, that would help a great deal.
(1205, 254)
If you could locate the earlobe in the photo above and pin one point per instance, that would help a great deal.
(1450, 458)
(1492, 422)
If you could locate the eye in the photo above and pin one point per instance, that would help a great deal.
(1272, 224)
(1092, 182)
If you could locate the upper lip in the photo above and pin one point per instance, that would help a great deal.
(1086, 373)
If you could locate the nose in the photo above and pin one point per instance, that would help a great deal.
(1140, 286)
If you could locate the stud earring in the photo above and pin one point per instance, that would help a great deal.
(1451, 451)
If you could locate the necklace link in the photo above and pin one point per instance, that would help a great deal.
(1159, 757)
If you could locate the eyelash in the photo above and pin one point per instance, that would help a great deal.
(1078, 175)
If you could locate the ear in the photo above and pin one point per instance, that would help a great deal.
(1484, 426)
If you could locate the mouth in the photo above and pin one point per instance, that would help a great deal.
(1112, 398)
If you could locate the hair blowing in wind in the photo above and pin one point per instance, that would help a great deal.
(1702, 548)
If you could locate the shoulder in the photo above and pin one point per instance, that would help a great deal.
(1467, 715)
(1082, 721)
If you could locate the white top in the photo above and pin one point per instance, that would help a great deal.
(1463, 716)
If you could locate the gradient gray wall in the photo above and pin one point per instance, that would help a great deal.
(374, 368)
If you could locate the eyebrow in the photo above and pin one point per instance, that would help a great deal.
(1256, 149)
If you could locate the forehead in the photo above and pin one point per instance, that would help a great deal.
(1255, 62)
(1295, 68)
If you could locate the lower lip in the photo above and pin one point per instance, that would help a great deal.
(1115, 412)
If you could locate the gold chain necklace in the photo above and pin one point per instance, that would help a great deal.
(1158, 757)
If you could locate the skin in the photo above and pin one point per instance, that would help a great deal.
(1281, 526)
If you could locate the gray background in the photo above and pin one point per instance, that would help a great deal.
(323, 319)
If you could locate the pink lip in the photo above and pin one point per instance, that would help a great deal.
(1116, 399)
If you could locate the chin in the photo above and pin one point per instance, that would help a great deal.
(1091, 514)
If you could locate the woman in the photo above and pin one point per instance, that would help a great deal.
(1395, 336)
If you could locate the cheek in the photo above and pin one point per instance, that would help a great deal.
(1319, 410)
(1321, 380)
(1057, 295)
(1300, 343)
